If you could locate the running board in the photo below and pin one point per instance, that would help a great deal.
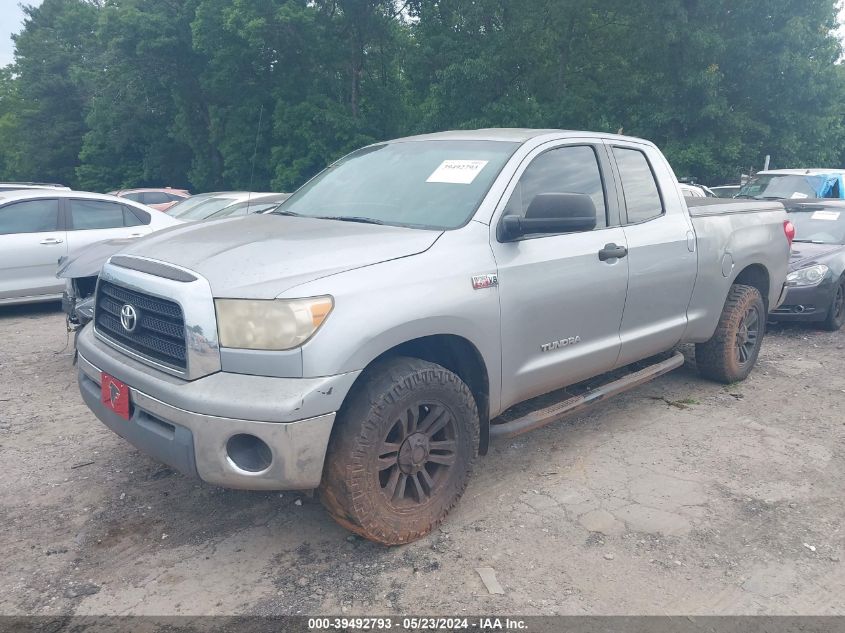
(547, 415)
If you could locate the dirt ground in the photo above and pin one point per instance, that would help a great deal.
(680, 497)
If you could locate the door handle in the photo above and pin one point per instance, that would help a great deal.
(136, 235)
(612, 251)
(51, 240)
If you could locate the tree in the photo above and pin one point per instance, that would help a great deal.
(9, 127)
(262, 94)
(52, 94)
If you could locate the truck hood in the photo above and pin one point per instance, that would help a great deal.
(805, 254)
(262, 256)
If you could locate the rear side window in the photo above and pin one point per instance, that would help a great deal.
(30, 216)
(561, 170)
(173, 197)
(96, 214)
(134, 197)
(130, 219)
(642, 197)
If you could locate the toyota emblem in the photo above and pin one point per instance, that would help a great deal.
(128, 318)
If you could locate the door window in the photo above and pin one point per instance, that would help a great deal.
(97, 214)
(573, 169)
(30, 216)
(642, 197)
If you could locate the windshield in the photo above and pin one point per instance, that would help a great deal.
(242, 208)
(203, 209)
(790, 186)
(825, 226)
(188, 203)
(421, 184)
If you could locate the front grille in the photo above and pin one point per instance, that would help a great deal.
(159, 332)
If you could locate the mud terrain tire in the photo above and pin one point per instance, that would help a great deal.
(401, 452)
(730, 354)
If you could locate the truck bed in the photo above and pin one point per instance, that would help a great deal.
(701, 207)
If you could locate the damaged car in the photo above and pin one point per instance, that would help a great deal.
(80, 273)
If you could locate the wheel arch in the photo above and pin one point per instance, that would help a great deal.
(757, 276)
(458, 355)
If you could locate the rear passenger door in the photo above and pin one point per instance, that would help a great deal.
(91, 221)
(561, 304)
(32, 240)
(662, 262)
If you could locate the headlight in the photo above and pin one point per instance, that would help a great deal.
(809, 276)
(276, 324)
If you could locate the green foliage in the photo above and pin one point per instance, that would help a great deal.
(262, 94)
(51, 95)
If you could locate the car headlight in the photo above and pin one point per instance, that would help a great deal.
(275, 324)
(809, 276)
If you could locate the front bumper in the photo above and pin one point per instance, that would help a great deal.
(188, 424)
(808, 303)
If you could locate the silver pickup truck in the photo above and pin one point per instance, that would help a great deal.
(366, 338)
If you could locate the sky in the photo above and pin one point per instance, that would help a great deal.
(11, 21)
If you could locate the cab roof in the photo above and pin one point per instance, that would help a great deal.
(514, 135)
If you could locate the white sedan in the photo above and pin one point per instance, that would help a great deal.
(37, 227)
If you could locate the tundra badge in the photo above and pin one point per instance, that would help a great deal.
(547, 347)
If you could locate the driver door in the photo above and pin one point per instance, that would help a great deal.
(561, 304)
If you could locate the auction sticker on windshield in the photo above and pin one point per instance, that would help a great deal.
(825, 215)
(459, 172)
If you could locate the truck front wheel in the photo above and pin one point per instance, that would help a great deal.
(730, 354)
(836, 314)
(402, 451)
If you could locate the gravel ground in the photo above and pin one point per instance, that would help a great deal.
(680, 497)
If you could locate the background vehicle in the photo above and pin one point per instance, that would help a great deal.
(38, 227)
(17, 186)
(726, 191)
(203, 206)
(159, 199)
(794, 184)
(695, 191)
(256, 203)
(367, 337)
(816, 279)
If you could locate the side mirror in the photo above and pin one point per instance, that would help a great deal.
(551, 213)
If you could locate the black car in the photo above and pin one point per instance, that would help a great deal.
(816, 279)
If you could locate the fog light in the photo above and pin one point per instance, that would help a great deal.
(249, 453)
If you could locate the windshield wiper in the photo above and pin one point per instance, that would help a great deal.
(349, 218)
(809, 241)
(290, 213)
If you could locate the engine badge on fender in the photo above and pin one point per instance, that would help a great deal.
(479, 282)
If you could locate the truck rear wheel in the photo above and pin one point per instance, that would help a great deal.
(402, 451)
(730, 354)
